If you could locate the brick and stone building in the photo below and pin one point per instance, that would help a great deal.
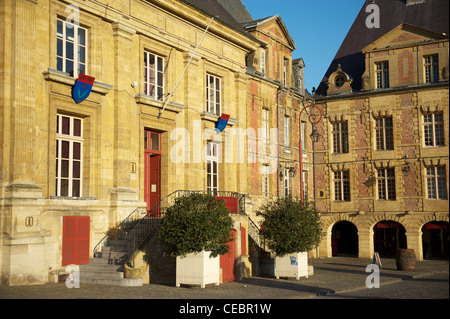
(382, 161)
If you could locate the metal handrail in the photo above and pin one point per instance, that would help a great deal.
(151, 221)
(104, 240)
(146, 226)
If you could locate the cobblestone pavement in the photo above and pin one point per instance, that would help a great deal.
(330, 275)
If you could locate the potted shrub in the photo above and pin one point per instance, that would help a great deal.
(196, 229)
(290, 228)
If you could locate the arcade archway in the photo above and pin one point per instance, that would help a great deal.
(344, 239)
(388, 236)
(435, 238)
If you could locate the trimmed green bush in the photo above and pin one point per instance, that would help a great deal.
(290, 226)
(194, 223)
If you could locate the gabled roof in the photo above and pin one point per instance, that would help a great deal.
(397, 38)
(431, 15)
(249, 25)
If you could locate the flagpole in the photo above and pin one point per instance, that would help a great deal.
(185, 68)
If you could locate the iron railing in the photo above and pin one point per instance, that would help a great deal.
(151, 222)
(147, 225)
(135, 215)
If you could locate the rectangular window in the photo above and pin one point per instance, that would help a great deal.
(213, 94)
(342, 186)
(69, 156)
(286, 182)
(436, 182)
(431, 65)
(212, 168)
(305, 189)
(433, 127)
(287, 132)
(263, 63)
(384, 134)
(153, 75)
(303, 126)
(386, 183)
(340, 137)
(266, 127)
(265, 181)
(71, 48)
(382, 74)
(285, 71)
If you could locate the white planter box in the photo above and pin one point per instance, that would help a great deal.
(198, 269)
(292, 265)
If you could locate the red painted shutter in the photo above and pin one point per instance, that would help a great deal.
(76, 237)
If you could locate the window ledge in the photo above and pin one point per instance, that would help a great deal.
(207, 116)
(62, 77)
(148, 100)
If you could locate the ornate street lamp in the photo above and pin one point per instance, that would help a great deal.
(314, 117)
(315, 138)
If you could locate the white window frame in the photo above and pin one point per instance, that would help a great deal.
(72, 139)
(436, 182)
(157, 83)
(386, 184)
(287, 131)
(433, 129)
(266, 126)
(212, 162)
(263, 63)
(302, 137)
(265, 181)
(286, 182)
(382, 74)
(431, 68)
(285, 71)
(65, 40)
(213, 94)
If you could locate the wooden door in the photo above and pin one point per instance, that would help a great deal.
(227, 261)
(76, 238)
(152, 170)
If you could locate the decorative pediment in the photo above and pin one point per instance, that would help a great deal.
(403, 35)
(274, 27)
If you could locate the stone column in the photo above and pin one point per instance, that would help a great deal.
(23, 241)
(123, 196)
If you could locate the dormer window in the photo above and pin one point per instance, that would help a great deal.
(339, 81)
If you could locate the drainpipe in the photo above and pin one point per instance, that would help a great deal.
(278, 142)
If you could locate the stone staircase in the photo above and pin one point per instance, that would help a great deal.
(107, 268)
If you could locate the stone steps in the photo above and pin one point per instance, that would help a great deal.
(107, 268)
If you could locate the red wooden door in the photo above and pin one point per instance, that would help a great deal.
(76, 238)
(152, 170)
(227, 261)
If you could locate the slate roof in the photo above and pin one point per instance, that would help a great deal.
(214, 9)
(427, 14)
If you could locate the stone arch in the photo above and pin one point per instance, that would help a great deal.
(389, 235)
(328, 224)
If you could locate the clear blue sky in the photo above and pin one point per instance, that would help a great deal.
(317, 28)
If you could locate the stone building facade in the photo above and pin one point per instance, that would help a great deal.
(382, 160)
(162, 74)
(275, 98)
(131, 142)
